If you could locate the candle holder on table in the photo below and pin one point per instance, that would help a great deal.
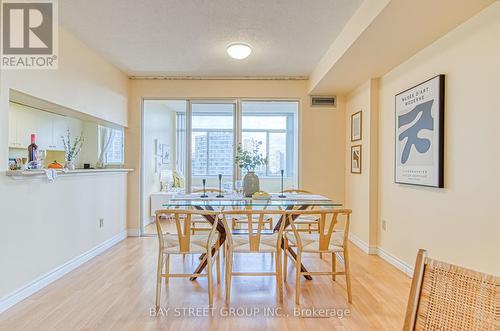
(282, 195)
(220, 187)
(204, 195)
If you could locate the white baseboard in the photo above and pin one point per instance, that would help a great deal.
(133, 232)
(398, 263)
(388, 257)
(20, 294)
(363, 245)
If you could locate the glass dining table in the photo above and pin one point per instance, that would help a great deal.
(212, 201)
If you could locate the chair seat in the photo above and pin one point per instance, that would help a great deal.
(268, 243)
(244, 219)
(310, 242)
(306, 219)
(199, 219)
(198, 244)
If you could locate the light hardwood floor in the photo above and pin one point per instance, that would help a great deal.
(116, 291)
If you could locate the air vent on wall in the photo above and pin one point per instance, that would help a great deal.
(324, 101)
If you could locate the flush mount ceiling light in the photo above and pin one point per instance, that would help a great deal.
(239, 51)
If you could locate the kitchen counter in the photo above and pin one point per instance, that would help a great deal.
(29, 174)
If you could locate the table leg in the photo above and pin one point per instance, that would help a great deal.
(222, 238)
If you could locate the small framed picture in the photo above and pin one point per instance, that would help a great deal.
(356, 126)
(165, 153)
(356, 159)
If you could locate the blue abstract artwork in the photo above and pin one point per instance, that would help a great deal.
(425, 121)
(419, 138)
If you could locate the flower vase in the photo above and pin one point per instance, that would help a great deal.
(251, 184)
(70, 165)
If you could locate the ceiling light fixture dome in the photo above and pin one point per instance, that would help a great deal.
(239, 51)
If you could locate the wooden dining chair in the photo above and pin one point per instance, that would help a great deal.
(183, 242)
(238, 220)
(331, 238)
(305, 223)
(254, 241)
(198, 222)
(448, 297)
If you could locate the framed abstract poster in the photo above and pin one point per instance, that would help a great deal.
(356, 126)
(356, 159)
(420, 134)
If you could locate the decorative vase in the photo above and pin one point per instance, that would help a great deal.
(70, 165)
(251, 183)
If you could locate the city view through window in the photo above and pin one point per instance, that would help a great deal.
(273, 124)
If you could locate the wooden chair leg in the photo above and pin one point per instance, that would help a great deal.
(347, 275)
(334, 265)
(159, 271)
(167, 267)
(285, 259)
(279, 279)
(229, 270)
(217, 261)
(321, 256)
(210, 282)
(298, 262)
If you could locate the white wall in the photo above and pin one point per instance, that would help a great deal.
(45, 225)
(361, 192)
(460, 223)
(159, 124)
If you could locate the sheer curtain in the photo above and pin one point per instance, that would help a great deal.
(106, 137)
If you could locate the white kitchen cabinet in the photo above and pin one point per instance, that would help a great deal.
(61, 125)
(42, 129)
(12, 129)
(59, 129)
(27, 124)
(48, 128)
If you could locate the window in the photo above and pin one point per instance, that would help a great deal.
(181, 142)
(213, 139)
(114, 154)
(274, 125)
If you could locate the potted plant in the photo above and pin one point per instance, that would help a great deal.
(250, 160)
(72, 150)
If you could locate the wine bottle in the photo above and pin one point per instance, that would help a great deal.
(32, 149)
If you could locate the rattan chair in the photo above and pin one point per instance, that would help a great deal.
(254, 241)
(448, 297)
(185, 243)
(331, 239)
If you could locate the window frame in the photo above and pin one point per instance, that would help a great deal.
(293, 121)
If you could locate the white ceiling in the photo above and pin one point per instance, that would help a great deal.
(189, 37)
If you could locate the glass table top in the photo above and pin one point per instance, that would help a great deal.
(237, 200)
